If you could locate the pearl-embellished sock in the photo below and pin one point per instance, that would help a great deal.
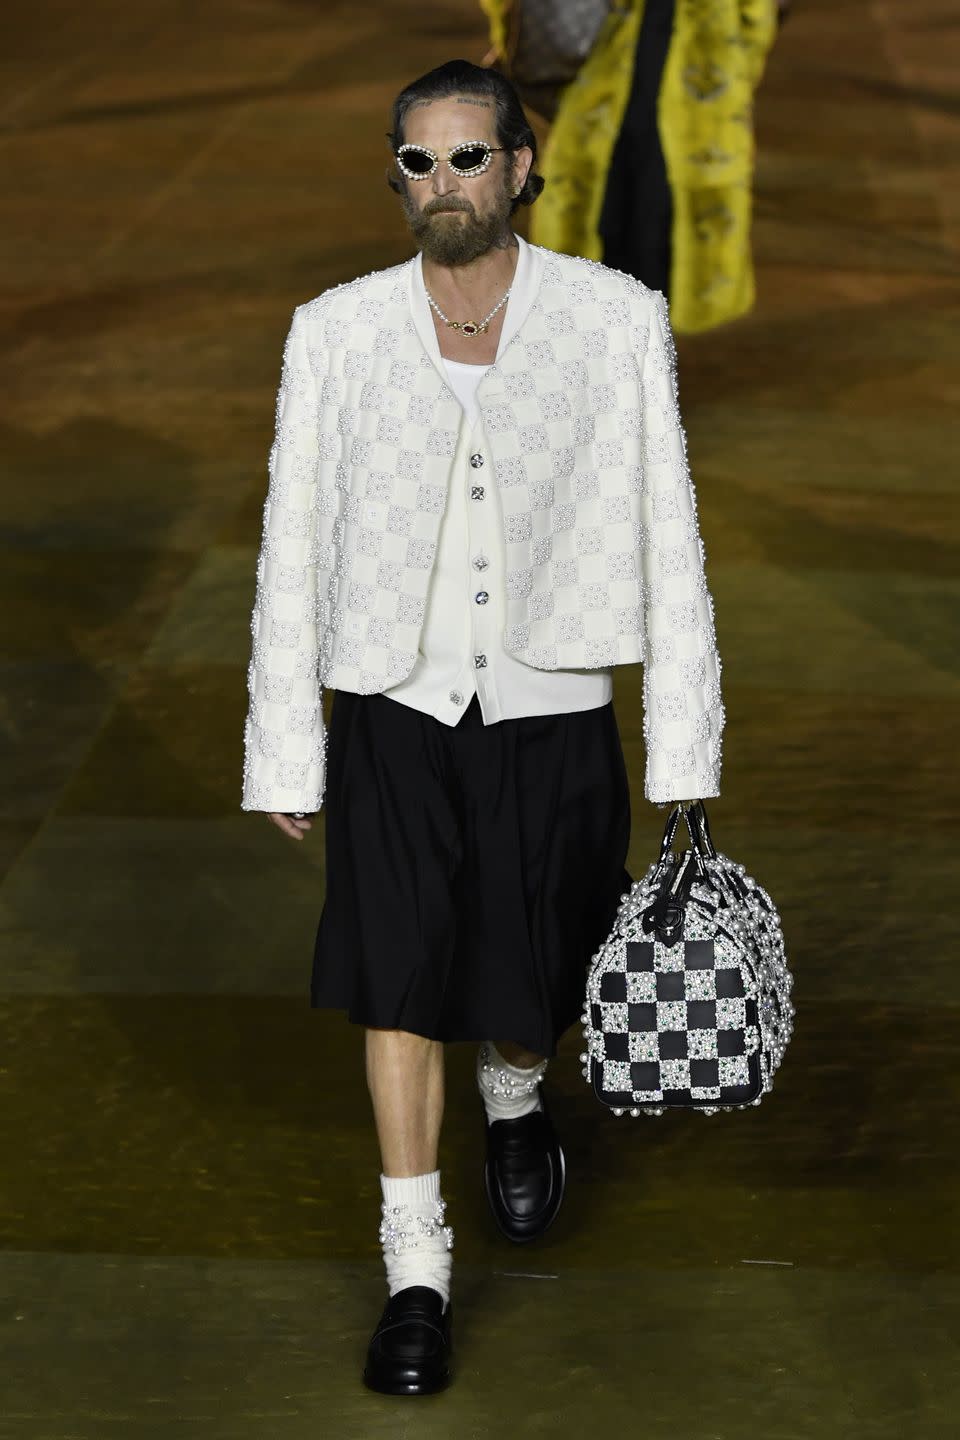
(416, 1243)
(508, 1091)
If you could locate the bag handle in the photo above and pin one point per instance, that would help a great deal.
(698, 828)
(664, 916)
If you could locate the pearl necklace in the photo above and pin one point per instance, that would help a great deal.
(468, 327)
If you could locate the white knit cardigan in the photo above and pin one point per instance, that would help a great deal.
(605, 565)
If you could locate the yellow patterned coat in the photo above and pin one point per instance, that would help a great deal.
(705, 114)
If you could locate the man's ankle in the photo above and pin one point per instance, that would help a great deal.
(508, 1091)
(415, 1241)
(517, 1055)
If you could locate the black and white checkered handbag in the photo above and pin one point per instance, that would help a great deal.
(688, 1000)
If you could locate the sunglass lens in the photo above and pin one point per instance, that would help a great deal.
(469, 157)
(418, 162)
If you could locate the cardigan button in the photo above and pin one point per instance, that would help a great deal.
(456, 697)
(481, 597)
(476, 492)
(479, 662)
(476, 460)
(481, 562)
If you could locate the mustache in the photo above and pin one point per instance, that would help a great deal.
(445, 207)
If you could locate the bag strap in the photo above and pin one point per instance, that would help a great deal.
(664, 915)
(698, 828)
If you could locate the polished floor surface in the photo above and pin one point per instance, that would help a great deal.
(189, 1194)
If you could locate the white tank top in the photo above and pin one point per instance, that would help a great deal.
(464, 380)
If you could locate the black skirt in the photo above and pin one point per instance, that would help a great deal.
(472, 871)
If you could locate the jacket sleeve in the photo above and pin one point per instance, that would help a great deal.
(284, 737)
(683, 707)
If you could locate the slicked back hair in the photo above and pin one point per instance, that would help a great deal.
(460, 77)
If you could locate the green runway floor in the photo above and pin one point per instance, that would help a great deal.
(189, 1196)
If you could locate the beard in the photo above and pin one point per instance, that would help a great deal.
(446, 239)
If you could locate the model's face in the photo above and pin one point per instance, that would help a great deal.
(458, 218)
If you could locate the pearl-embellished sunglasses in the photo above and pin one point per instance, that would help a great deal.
(470, 157)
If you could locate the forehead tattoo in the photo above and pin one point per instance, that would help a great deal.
(460, 100)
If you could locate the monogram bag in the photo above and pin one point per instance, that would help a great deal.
(547, 43)
(688, 1000)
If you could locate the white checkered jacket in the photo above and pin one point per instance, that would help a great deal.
(605, 565)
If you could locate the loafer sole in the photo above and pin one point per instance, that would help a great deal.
(399, 1387)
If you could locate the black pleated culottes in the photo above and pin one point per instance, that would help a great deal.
(472, 871)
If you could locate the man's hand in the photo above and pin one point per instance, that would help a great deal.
(293, 825)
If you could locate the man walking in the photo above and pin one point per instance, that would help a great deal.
(479, 503)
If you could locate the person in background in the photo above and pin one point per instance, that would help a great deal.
(649, 162)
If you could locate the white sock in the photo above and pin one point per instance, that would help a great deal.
(416, 1243)
(508, 1091)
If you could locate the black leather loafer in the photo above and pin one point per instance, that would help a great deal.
(409, 1352)
(525, 1173)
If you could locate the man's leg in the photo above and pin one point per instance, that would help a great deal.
(405, 1079)
(405, 1076)
(409, 1350)
(516, 1055)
